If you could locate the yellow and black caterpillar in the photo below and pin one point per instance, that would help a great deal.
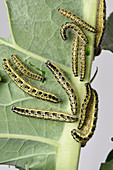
(65, 84)
(25, 70)
(87, 131)
(45, 114)
(77, 20)
(27, 87)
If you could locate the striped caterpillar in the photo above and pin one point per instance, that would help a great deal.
(76, 19)
(82, 61)
(100, 26)
(25, 70)
(87, 131)
(27, 87)
(70, 25)
(65, 84)
(45, 114)
(75, 49)
(84, 105)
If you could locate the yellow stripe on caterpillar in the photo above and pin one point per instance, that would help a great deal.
(25, 70)
(71, 26)
(100, 24)
(84, 105)
(65, 84)
(76, 19)
(75, 50)
(45, 114)
(87, 131)
(82, 61)
(27, 87)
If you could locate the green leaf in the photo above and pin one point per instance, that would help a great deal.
(107, 166)
(110, 156)
(29, 143)
(107, 42)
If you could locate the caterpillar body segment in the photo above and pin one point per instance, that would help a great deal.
(45, 114)
(25, 70)
(27, 87)
(87, 131)
(77, 20)
(65, 84)
(71, 26)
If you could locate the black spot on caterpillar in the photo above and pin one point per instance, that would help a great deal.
(45, 114)
(25, 70)
(82, 61)
(76, 19)
(87, 131)
(75, 49)
(70, 25)
(65, 84)
(100, 26)
(27, 87)
(84, 105)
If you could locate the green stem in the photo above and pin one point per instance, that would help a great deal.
(69, 150)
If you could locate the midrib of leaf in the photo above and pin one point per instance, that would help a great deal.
(68, 150)
(31, 138)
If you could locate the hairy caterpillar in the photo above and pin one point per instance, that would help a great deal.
(45, 114)
(87, 131)
(100, 26)
(70, 25)
(75, 49)
(84, 105)
(65, 84)
(76, 19)
(27, 87)
(82, 61)
(25, 70)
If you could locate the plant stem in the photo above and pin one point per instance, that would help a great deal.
(69, 150)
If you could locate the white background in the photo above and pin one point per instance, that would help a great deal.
(99, 146)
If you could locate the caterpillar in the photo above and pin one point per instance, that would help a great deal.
(75, 49)
(87, 131)
(65, 84)
(0, 78)
(76, 19)
(84, 105)
(82, 61)
(45, 114)
(100, 26)
(25, 70)
(27, 87)
(70, 25)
